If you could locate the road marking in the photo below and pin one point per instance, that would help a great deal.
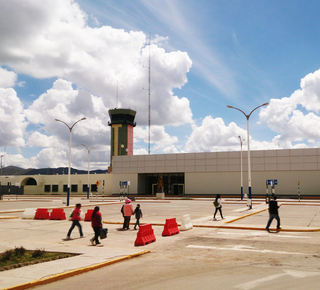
(293, 273)
(246, 249)
(255, 283)
(261, 234)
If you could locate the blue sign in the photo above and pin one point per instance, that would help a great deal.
(272, 181)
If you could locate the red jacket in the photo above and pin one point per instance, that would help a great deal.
(76, 214)
(96, 221)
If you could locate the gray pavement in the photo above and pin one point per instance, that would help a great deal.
(303, 216)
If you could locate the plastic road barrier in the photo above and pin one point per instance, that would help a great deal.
(186, 223)
(145, 235)
(58, 214)
(41, 214)
(88, 215)
(170, 227)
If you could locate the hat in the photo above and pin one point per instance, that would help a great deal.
(128, 200)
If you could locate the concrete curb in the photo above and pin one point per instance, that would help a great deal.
(68, 274)
(8, 217)
(233, 227)
(247, 215)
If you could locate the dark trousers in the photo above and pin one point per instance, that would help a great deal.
(137, 223)
(126, 222)
(218, 209)
(97, 231)
(75, 223)
(271, 217)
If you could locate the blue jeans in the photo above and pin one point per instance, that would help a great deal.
(271, 217)
(75, 223)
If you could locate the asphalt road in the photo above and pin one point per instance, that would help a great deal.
(205, 258)
(201, 258)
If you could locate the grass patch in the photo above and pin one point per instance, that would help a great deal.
(20, 257)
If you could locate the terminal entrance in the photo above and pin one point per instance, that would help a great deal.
(173, 183)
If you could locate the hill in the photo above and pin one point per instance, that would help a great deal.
(13, 170)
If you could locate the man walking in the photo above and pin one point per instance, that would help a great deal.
(273, 213)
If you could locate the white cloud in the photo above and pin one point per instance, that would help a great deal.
(294, 117)
(12, 121)
(7, 78)
(36, 139)
(107, 66)
(214, 135)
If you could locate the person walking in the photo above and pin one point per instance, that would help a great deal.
(218, 206)
(96, 223)
(273, 213)
(75, 218)
(138, 213)
(127, 212)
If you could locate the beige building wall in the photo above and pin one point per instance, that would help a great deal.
(219, 172)
(205, 173)
(104, 187)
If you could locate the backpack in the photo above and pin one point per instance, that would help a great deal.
(216, 203)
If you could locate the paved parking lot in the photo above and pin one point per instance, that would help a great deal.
(234, 253)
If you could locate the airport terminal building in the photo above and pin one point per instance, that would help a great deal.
(295, 171)
(190, 174)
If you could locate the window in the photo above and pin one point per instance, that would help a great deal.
(74, 187)
(47, 188)
(55, 188)
(94, 188)
(65, 188)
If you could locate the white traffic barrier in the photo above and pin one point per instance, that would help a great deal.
(186, 223)
(29, 213)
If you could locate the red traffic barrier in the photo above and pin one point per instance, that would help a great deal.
(88, 215)
(41, 214)
(170, 227)
(58, 214)
(145, 235)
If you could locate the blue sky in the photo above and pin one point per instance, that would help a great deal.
(68, 59)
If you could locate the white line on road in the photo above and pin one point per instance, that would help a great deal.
(293, 273)
(261, 234)
(247, 249)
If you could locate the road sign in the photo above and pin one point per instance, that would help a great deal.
(272, 181)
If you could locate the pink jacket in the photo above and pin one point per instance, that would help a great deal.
(127, 209)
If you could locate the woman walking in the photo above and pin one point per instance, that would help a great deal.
(96, 223)
(218, 206)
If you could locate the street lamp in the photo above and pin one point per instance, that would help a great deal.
(241, 142)
(89, 150)
(1, 163)
(69, 168)
(249, 165)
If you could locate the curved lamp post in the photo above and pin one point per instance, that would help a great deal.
(69, 168)
(89, 150)
(241, 192)
(249, 165)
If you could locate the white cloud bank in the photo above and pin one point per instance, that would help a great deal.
(101, 68)
(96, 69)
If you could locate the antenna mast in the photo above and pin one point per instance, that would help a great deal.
(149, 99)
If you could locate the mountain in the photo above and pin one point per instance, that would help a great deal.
(13, 170)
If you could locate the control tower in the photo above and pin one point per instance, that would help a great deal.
(122, 123)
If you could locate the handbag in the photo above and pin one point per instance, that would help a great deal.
(103, 233)
(216, 203)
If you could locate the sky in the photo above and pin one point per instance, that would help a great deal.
(69, 59)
